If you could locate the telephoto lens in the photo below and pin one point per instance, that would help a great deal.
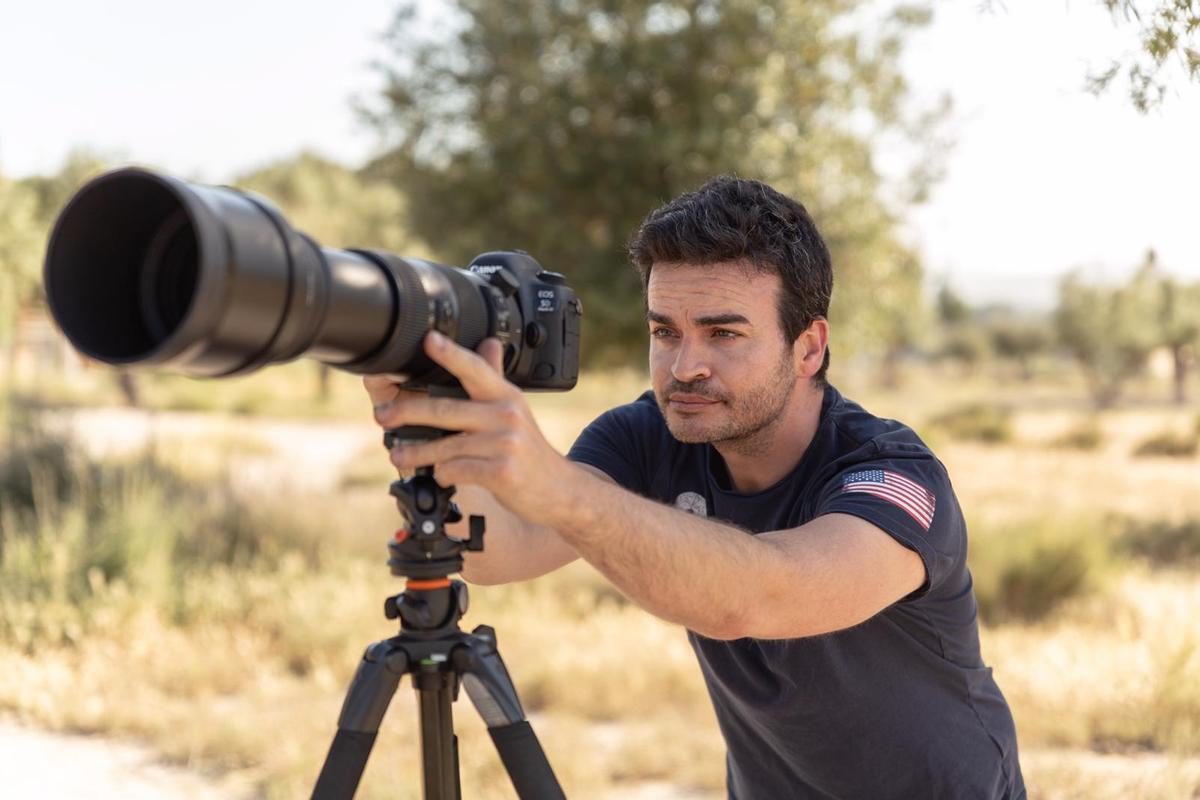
(146, 269)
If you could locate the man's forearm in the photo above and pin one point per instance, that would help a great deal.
(680, 567)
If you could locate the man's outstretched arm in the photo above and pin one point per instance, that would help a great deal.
(717, 580)
(834, 572)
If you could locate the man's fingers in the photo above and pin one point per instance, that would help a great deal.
(439, 451)
(448, 413)
(481, 380)
(386, 388)
(464, 470)
(386, 395)
(380, 388)
(493, 353)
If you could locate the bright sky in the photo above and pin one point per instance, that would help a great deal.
(1043, 177)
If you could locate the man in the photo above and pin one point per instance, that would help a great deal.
(815, 553)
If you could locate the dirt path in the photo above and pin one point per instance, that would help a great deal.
(307, 455)
(41, 764)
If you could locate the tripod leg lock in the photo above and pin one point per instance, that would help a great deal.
(486, 679)
(371, 690)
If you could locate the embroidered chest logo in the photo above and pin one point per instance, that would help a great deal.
(692, 503)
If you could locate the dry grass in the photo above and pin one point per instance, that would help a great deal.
(242, 667)
(1112, 673)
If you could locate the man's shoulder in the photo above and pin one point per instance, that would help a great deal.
(858, 430)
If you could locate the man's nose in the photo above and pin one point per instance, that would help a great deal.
(690, 364)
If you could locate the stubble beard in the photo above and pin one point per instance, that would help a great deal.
(750, 420)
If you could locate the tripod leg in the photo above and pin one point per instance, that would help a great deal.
(439, 745)
(492, 692)
(366, 702)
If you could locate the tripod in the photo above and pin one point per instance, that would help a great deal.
(438, 654)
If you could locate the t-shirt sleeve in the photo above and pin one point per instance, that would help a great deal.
(909, 498)
(616, 444)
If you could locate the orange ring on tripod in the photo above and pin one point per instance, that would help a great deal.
(436, 583)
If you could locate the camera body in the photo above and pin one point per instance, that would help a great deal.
(544, 353)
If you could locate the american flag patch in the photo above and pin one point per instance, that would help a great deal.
(898, 490)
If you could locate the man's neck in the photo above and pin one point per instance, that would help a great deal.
(764, 459)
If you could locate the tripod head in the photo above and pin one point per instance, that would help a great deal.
(423, 552)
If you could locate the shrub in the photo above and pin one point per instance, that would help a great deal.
(1163, 543)
(976, 422)
(1085, 435)
(1025, 572)
(1169, 443)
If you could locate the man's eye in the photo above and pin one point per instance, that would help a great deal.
(721, 333)
(661, 333)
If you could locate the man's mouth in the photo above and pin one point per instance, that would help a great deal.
(681, 401)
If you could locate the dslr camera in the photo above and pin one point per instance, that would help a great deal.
(145, 269)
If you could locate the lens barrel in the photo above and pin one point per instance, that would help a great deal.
(146, 269)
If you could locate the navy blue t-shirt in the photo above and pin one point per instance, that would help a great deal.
(899, 706)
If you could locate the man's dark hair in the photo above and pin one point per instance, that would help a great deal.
(736, 219)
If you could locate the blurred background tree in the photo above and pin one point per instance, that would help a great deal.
(1018, 338)
(961, 341)
(1169, 34)
(556, 126)
(1179, 319)
(1111, 330)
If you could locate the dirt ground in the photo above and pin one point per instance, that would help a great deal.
(43, 764)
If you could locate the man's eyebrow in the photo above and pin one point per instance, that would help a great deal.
(704, 322)
(721, 319)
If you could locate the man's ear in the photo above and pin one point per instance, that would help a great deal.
(809, 348)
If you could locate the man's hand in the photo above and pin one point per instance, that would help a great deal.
(500, 446)
(386, 394)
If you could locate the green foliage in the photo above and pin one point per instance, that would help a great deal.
(1163, 543)
(1169, 443)
(1169, 31)
(980, 422)
(556, 126)
(1025, 572)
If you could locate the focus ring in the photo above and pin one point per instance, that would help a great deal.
(472, 312)
(411, 323)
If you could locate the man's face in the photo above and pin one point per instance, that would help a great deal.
(721, 369)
